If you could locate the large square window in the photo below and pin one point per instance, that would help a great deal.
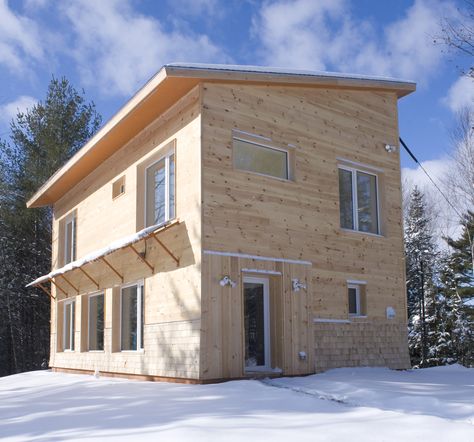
(257, 158)
(132, 317)
(160, 191)
(358, 200)
(96, 322)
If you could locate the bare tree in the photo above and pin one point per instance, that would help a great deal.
(458, 34)
(460, 180)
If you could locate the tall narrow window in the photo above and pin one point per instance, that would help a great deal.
(70, 239)
(354, 299)
(132, 317)
(358, 200)
(160, 191)
(69, 325)
(96, 322)
(260, 159)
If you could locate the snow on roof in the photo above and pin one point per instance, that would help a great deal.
(284, 71)
(96, 254)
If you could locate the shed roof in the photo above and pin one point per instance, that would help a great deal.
(166, 87)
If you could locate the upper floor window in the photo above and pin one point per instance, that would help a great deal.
(261, 159)
(69, 238)
(160, 191)
(358, 198)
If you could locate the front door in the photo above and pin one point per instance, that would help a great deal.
(257, 324)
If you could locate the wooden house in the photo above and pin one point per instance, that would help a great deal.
(232, 221)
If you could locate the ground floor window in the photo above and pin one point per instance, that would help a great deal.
(69, 325)
(96, 322)
(356, 299)
(132, 309)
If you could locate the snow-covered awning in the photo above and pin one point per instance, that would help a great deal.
(100, 254)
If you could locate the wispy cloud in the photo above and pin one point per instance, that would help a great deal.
(327, 35)
(117, 48)
(20, 40)
(461, 94)
(9, 111)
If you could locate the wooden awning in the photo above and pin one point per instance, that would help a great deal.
(104, 256)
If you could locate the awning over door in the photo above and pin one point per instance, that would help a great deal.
(62, 278)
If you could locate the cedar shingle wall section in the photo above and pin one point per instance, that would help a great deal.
(368, 343)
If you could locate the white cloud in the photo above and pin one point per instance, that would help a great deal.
(20, 40)
(117, 48)
(326, 35)
(10, 110)
(461, 94)
(197, 7)
(445, 219)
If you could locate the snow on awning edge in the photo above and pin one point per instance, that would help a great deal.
(96, 254)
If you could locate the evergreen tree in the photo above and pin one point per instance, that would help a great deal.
(421, 258)
(457, 280)
(41, 140)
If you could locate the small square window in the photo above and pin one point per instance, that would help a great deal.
(118, 187)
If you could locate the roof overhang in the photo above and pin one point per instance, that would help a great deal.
(171, 83)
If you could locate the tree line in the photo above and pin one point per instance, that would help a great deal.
(41, 140)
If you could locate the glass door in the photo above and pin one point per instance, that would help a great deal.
(257, 324)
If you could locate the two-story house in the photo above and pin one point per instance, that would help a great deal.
(231, 221)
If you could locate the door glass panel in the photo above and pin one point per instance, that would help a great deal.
(254, 316)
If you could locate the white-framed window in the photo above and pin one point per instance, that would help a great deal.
(160, 190)
(358, 200)
(70, 233)
(132, 316)
(261, 159)
(96, 321)
(353, 291)
(69, 325)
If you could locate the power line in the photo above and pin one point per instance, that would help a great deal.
(412, 155)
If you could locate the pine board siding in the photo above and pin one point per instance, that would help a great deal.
(299, 219)
(172, 295)
(239, 224)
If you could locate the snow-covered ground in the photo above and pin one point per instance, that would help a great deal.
(363, 404)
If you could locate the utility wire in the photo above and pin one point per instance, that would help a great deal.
(429, 177)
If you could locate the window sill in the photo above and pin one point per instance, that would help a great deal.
(133, 352)
(377, 235)
(95, 351)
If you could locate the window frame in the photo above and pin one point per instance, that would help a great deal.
(140, 326)
(356, 287)
(166, 156)
(89, 297)
(288, 152)
(355, 202)
(70, 219)
(72, 324)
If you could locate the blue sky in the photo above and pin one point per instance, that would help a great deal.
(111, 47)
